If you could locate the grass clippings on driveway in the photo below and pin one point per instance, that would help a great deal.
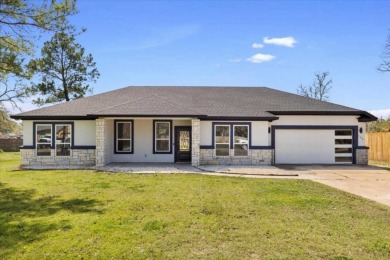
(87, 214)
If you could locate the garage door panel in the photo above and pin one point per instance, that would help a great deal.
(304, 146)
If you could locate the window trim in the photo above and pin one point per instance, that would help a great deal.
(170, 137)
(55, 139)
(234, 143)
(52, 124)
(215, 139)
(131, 136)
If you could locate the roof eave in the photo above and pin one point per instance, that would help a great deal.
(241, 118)
(364, 116)
(46, 117)
(147, 115)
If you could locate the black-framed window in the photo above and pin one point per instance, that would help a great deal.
(43, 137)
(57, 136)
(233, 136)
(124, 136)
(162, 136)
(63, 137)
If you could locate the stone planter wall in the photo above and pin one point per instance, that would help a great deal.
(255, 157)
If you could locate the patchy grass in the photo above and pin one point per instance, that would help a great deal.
(86, 214)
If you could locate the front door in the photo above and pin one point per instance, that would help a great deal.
(183, 144)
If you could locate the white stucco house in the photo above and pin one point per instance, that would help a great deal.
(198, 125)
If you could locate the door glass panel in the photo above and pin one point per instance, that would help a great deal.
(343, 150)
(344, 159)
(343, 132)
(343, 141)
(184, 140)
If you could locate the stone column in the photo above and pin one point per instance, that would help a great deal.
(195, 148)
(362, 156)
(100, 142)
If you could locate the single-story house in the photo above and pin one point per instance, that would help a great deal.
(201, 125)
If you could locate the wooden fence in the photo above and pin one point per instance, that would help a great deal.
(379, 144)
(11, 145)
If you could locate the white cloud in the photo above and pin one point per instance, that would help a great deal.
(235, 60)
(257, 45)
(259, 58)
(381, 113)
(284, 41)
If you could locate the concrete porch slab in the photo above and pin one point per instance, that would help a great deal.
(150, 168)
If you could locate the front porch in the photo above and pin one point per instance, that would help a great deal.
(147, 140)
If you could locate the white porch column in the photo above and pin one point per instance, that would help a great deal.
(195, 153)
(100, 142)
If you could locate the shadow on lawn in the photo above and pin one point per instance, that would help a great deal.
(17, 207)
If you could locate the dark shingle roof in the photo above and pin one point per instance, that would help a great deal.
(212, 102)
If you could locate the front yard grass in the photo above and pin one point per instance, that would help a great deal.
(86, 214)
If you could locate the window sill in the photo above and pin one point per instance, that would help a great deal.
(162, 152)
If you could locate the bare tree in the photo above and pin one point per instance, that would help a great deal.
(12, 90)
(319, 89)
(385, 65)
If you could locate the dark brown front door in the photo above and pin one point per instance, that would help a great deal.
(183, 144)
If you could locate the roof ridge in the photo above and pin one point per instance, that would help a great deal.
(135, 100)
(177, 104)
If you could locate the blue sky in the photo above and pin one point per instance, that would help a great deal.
(209, 43)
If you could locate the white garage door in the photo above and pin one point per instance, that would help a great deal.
(313, 146)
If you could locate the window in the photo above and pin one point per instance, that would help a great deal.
(162, 136)
(343, 141)
(123, 142)
(346, 159)
(43, 139)
(241, 140)
(343, 132)
(222, 140)
(343, 150)
(231, 136)
(63, 140)
(343, 146)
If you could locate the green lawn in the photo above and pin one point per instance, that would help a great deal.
(87, 214)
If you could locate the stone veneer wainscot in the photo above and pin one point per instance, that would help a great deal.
(255, 157)
(78, 157)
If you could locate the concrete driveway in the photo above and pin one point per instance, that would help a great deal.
(367, 181)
